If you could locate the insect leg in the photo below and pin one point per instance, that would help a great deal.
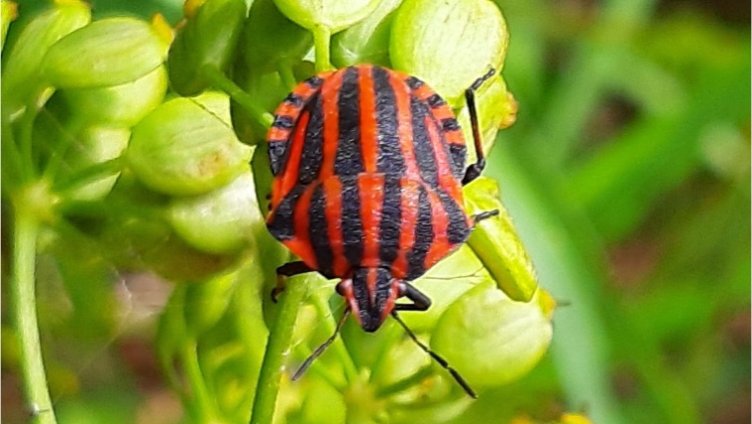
(289, 269)
(441, 361)
(421, 302)
(319, 350)
(480, 216)
(474, 170)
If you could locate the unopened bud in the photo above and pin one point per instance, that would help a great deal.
(108, 52)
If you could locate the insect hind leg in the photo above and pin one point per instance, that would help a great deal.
(474, 170)
(289, 269)
(480, 216)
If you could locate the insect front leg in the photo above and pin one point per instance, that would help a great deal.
(474, 170)
(289, 269)
(421, 302)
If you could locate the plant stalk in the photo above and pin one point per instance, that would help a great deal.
(322, 38)
(221, 82)
(277, 350)
(34, 380)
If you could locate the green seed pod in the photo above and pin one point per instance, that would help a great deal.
(368, 40)
(497, 244)
(21, 66)
(186, 146)
(448, 44)
(490, 339)
(108, 52)
(123, 105)
(209, 39)
(270, 38)
(8, 13)
(335, 15)
(221, 221)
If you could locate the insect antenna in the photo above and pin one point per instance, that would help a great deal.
(319, 350)
(443, 362)
(475, 273)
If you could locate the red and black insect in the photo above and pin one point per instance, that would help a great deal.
(368, 168)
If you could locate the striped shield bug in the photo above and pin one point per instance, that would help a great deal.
(368, 167)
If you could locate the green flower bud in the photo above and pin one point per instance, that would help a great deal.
(368, 40)
(270, 38)
(335, 15)
(108, 52)
(497, 244)
(227, 330)
(208, 39)
(8, 13)
(96, 144)
(490, 339)
(123, 105)
(139, 238)
(21, 66)
(448, 44)
(186, 146)
(206, 302)
(221, 221)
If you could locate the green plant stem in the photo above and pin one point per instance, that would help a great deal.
(277, 350)
(200, 398)
(88, 175)
(221, 82)
(34, 379)
(322, 37)
(287, 76)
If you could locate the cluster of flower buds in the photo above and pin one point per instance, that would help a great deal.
(147, 131)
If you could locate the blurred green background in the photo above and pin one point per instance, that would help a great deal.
(628, 176)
